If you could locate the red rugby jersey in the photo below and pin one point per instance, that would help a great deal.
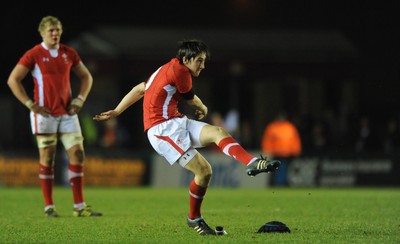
(51, 75)
(162, 93)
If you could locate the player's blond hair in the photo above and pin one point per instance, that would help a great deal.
(47, 21)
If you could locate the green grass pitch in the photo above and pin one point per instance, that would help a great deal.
(156, 215)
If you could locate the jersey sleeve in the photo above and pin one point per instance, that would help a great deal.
(183, 79)
(27, 60)
(73, 55)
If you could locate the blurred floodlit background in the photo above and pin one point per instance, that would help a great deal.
(332, 66)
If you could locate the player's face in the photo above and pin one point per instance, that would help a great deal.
(196, 65)
(52, 35)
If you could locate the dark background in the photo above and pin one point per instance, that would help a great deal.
(369, 25)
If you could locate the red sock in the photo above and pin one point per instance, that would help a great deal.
(46, 178)
(232, 148)
(76, 182)
(196, 198)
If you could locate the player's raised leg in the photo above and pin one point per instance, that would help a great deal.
(228, 145)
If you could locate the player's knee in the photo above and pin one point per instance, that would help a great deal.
(47, 153)
(48, 161)
(79, 155)
(203, 178)
(221, 131)
(207, 176)
(206, 172)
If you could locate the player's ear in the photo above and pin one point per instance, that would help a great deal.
(185, 60)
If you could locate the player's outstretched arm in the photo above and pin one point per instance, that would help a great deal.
(105, 115)
(132, 97)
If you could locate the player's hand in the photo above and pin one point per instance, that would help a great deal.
(45, 112)
(201, 113)
(105, 115)
(73, 109)
(75, 106)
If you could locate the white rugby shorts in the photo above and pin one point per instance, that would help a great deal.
(172, 138)
(51, 125)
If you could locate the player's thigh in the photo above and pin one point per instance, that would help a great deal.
(69, 124)
(199, 165)
(212, 134)
(170, 139)
(42, 125)
(72, 139)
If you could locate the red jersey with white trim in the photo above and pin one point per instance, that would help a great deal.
(163, 92)
(51, 70)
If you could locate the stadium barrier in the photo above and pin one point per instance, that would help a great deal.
(149, 169)
(98, 172)
(344, 171)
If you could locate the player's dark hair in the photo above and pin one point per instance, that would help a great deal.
(191, 49)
